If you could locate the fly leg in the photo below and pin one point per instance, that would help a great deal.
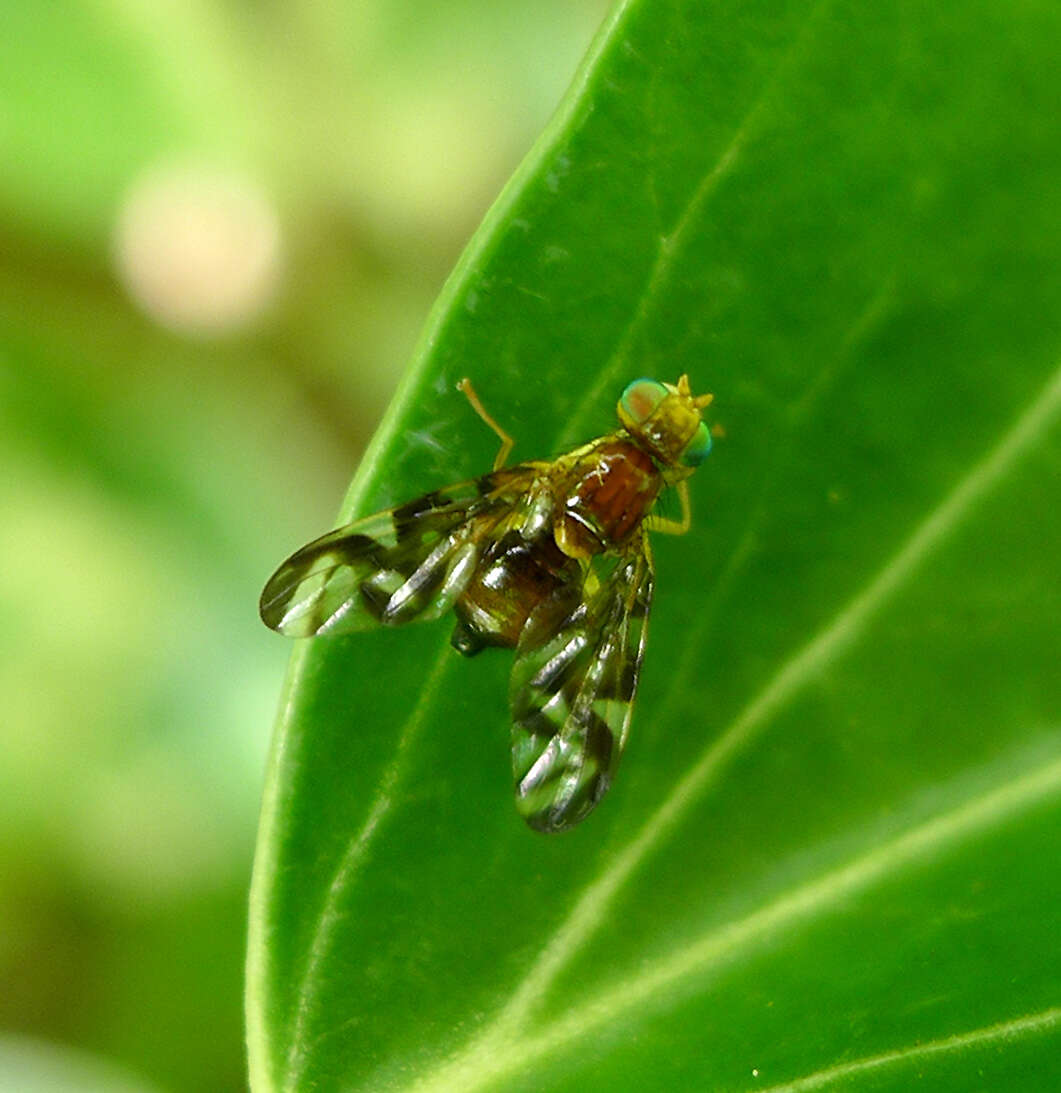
(466, 388)
(665, 524)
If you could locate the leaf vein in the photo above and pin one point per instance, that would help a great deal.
(331, 917)
(806, 665)
(670, 244)
(1006, 1031)
(718, 948)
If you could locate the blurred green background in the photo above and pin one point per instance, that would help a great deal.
(221, 227)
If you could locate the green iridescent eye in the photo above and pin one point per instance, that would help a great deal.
(642, 397)
(696, 450)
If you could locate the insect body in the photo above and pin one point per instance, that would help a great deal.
(550, 559)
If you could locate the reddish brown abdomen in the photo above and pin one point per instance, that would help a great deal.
(609, 493)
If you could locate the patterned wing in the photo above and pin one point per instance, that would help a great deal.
(411, 562)
(572, 695)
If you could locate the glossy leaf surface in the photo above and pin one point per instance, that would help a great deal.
(830, 857)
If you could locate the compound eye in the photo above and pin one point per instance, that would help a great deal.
(641, 398)
(697, 449)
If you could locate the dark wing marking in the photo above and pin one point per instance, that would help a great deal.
(572, 697)
(411, 562)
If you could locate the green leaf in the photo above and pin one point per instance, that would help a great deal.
(830, 857)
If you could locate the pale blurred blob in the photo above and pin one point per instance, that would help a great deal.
(29, 1065)
(198, 247)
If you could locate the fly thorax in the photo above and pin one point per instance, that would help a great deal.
(605, 499)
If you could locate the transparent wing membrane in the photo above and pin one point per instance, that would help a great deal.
(407, 563)
(572, 696)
